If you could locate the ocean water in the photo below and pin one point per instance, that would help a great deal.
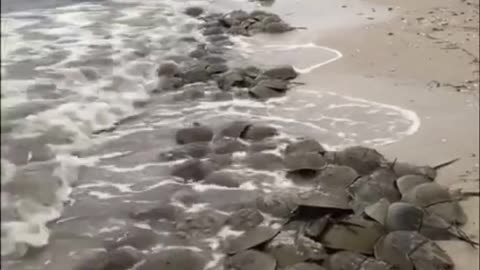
(82, 129)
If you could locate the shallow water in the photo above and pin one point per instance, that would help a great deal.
(72, 71)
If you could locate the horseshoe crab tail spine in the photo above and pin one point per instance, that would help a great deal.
(441, 165)
(393, 164)
(244, 131)
(461, 235)
(470, 193)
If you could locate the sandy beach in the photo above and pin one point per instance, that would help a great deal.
(424, 58)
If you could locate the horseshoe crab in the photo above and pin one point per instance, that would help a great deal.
(290, 247)
(436, 199)
(378, 211)
(202, 223)
(231, 79)
(324, 200)
(403, 168)
(194, 11)
(251, 260)
(193, 169)
(407, 182)
(234, 129)
(409, 250)
(352, 234)
(304, 145)
(336, 177)
(224, 178)
(368, 190)
(245, 219)
(251, 238)
(284, 72)
(258, 132)
(168, 69)
(347, 260)
(277, 204)
(436, 228)
(197, 133)
(362, 159)
(402, 216)
(304, 161)
(263, 91)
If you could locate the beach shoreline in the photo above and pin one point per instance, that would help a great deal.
(394, 62)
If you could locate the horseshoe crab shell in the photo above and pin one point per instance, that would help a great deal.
(284, 249)
(194, 134)
(403, 216)
(409, 250)
(277, 204)
(352, 234)
(378, 211)
(251, 260)
(362, 159)
(258, 132)
(304, 161)
(427, 194)
(250, 238)
(288, 248)
(245, 219)
(193, 169)
(234, 129)
(403, 168)
(436, 199)
(336, 177)
(304, 145)
(202, 223)
(436, 228)
(347, 260)
(319, 199)
(368, 190)
(407, 182)
(224, 178)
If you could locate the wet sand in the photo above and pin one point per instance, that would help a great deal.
(427, 65)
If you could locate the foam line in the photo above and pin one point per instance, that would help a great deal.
(337, 53)
(408, 114)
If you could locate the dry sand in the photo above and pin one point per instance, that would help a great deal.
(424, 57)
(419, 55)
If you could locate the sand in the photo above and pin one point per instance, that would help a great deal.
(420, 55)
(423, 57)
